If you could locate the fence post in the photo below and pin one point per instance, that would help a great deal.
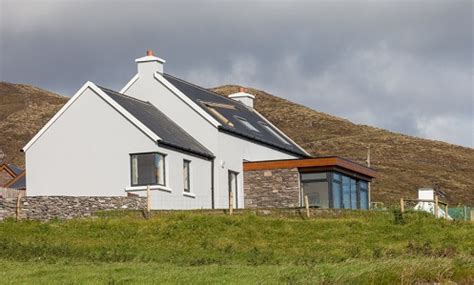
(306, 205)
(436, 206)
(18, 200)
(446, 214)
(402, 205)
(148, 201)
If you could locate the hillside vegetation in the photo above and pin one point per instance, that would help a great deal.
(404, 163)
(202, 248)
(24, 109)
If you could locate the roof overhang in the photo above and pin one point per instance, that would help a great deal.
(315, 164)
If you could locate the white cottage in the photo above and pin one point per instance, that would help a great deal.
(188, 143)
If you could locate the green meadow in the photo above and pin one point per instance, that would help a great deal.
(203, 247)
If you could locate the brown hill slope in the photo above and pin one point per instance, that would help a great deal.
(24, 109)
(404, 163)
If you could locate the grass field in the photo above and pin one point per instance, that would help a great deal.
(198, 248)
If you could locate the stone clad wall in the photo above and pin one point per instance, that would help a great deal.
(65, 207)
(275, 188)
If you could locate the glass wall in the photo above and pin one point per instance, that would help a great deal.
(316, 187)
(334, 190)
(337, 191)
(364, 195)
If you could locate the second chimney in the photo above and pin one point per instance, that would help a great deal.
(149, 64)
(243, 97)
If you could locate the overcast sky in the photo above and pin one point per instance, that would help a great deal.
(405, 66)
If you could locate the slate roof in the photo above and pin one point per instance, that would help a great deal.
(170, 133)
(201, 96)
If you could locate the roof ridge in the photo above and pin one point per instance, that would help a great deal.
(202, 88)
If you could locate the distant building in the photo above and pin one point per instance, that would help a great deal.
(12, 176)
(191, 146)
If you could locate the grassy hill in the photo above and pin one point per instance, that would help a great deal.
(404, 163)
(203, 248)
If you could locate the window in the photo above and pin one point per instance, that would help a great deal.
(186, 176)
(316, 187)
(274, 133)
(233, 190)
(337, 191)
(353, 194)
(317, 192)
(313, 176)
(364, 195)
(148, 169)
(247, 124)
(346, 192)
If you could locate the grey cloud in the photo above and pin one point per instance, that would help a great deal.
(405, 66)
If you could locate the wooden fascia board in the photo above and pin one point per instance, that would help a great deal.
(310, 163)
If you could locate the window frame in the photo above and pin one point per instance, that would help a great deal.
(187, 183)
(163, 155)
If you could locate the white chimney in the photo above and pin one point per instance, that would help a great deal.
(243, 97)
(149, 64)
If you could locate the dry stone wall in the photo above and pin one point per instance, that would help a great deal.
(65, 207)
(275, 188)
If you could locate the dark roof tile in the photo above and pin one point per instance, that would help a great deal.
(201, 96)
(170, 133)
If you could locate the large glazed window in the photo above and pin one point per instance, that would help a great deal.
(337, 191)
(364, 195)
(316, 187)
(346, 192)
(353, 194)
(148, 169)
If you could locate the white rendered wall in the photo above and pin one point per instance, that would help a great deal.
(86, 153)
(230, 151)
(230, 156)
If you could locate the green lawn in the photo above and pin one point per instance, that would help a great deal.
(199, 248)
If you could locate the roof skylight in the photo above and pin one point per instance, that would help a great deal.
(247, 124)
(274, 133)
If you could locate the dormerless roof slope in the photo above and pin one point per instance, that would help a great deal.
(202, 96)
(169, 132)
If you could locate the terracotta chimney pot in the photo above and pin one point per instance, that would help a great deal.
(150, 53)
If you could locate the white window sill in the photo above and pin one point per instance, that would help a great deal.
(188, 194)
(143, 188)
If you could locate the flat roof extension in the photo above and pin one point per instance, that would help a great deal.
(319, 163)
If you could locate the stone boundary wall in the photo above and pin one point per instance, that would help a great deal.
(65, 207)
(275, 188)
